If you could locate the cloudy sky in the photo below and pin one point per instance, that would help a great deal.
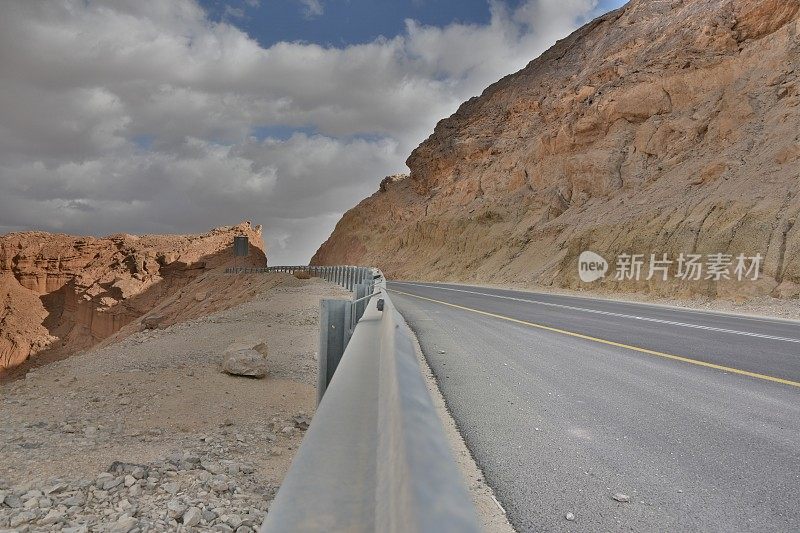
(153, 116)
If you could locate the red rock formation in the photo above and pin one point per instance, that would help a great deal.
(79, 290)
(665, 126)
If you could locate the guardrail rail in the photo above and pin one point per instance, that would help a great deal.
(375, 457)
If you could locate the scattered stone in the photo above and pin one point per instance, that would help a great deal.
(248, 362)
(22, 518)
(570, 517)
(214, 468)
(301, 421)
(13, 501)
(52, 517)
(56, 489)
(234, 521)
(620, 497)
(152, 321)
(171, 488)
(176, 508)
(192, 517)
(124, 524)
(75, 500)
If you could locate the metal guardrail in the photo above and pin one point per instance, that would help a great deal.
(375, 458)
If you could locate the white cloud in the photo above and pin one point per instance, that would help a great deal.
(312, 8)
(138, 115)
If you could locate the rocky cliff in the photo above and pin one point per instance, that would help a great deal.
(664, 127)
(67, 292)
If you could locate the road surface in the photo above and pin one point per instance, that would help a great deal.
(566, 401)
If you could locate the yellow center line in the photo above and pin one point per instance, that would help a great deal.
(609, 343)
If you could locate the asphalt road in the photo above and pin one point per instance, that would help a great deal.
(566, 401)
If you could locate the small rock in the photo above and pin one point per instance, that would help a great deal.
(244, 362)
(301, 422)
(234, 521)
(31, 494)
(54, 516)
(570, 517)
(192, 517)
(176, 508)
(102, 479)
(171, 488)
(113, 483)
(152, 322)
(31, 503)
(55, 489)
(620, 497)
(214, 468)
(124, 524)
(129, 480)
(75, 500)
(22, 518)
(288, 431)
(13, 501)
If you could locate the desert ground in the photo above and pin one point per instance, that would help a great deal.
(147, 434)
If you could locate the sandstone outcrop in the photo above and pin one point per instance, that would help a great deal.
(663, 127)
(67, 292)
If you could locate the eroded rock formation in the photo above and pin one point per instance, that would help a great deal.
(665, 126)
(71, 292)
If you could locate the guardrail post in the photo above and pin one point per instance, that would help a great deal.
(349, 326)
(333, 326)
(361, 291)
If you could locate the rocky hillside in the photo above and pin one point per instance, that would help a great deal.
(64, 293)
(665, 127)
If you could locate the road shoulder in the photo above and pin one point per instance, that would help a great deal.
(490, 512)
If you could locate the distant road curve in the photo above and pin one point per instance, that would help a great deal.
(565, 401)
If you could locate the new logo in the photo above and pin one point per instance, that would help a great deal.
(591, 266)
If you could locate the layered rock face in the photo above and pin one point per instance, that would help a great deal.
(664, 127)
(71, 292)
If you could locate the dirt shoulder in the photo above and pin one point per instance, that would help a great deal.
(139, 433)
